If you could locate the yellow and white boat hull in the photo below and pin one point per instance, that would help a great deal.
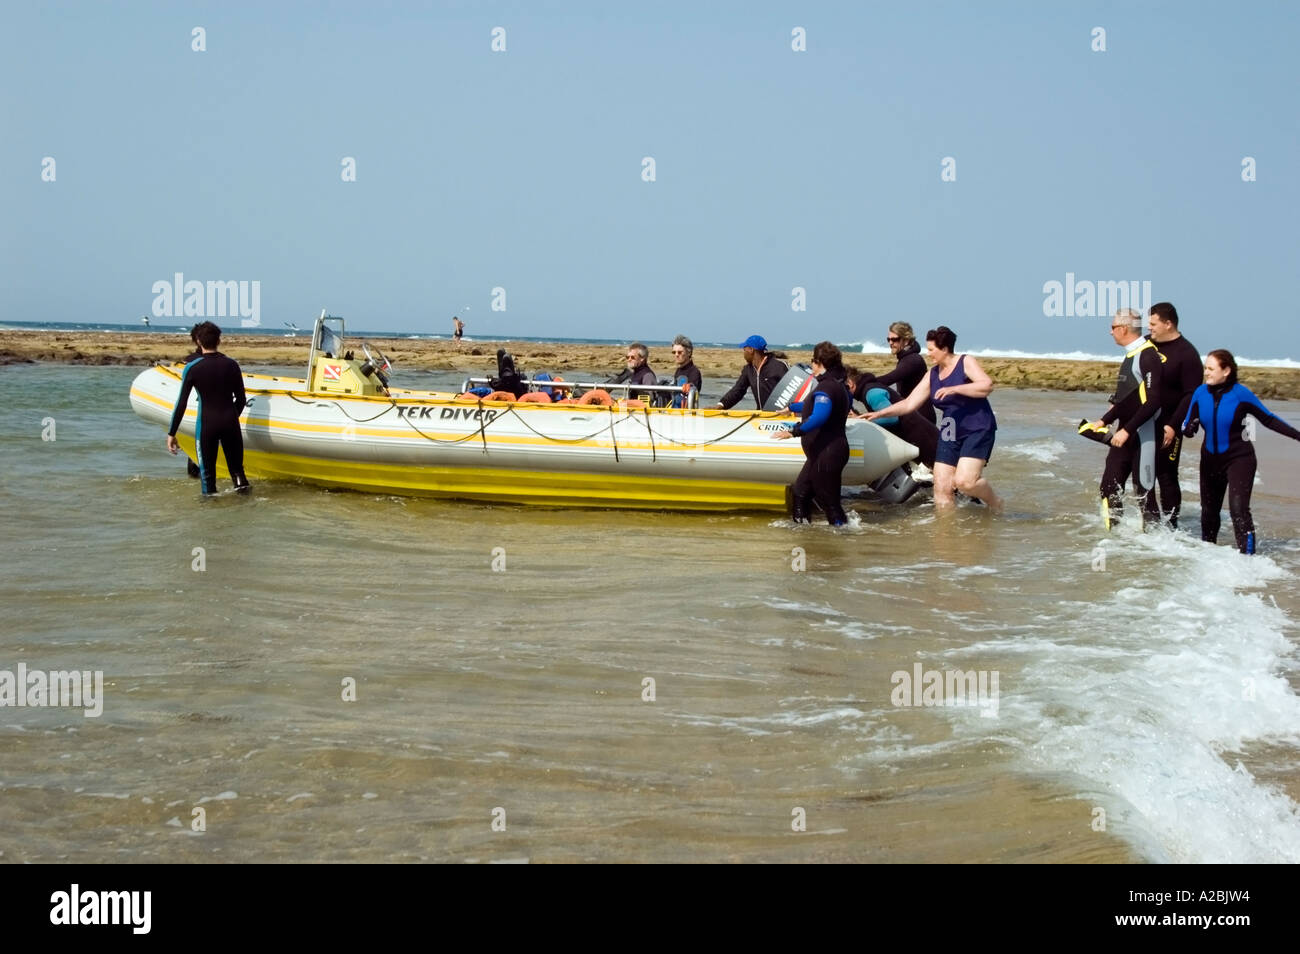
(427, 443)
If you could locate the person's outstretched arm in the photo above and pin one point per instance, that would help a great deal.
(1266, 417)
(912, 402)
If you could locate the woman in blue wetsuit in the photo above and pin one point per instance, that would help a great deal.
(824, 440)
(958, 388)
(1228, 462)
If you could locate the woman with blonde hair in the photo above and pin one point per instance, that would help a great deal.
(907, 374)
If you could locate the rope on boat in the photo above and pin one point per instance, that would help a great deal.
(612, 436)
(481, 432)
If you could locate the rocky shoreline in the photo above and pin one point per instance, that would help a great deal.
(479, 358)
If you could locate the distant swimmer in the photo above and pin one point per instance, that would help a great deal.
(958, 389)
(220, 386)
(825, 443)
(457, 329)
(687, 374)
(1135, 405)
(907, 373)
(1180, 376)
(761, 374)
(1228, 462)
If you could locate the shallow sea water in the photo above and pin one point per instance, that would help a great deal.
(1156, 695)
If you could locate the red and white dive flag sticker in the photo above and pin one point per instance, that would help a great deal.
(331, 372)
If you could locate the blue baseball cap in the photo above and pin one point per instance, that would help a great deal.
(757, 342)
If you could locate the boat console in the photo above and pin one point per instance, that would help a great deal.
(333, 370)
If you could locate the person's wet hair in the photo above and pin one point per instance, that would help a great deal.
(943, 338)
(207, 334)
(828, 356)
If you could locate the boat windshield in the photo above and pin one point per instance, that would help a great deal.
(330, 342)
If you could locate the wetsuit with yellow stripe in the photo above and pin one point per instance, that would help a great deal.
(1135, 406)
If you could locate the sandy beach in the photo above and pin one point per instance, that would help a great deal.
(479, 357)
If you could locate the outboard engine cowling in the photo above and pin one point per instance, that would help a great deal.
(797, 384)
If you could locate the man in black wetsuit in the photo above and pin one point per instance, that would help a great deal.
(1136, 407)
(1180, 377)
(220, 384)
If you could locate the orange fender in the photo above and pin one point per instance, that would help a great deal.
(500, 396)
(597, 396)
(536, 397)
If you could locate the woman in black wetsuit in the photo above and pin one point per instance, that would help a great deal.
(1228, 461)
(824, 441)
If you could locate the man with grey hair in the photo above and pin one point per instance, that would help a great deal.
(638, 371)
(1135, 407)
(687, 375)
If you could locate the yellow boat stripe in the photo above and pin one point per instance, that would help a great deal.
(666, 446)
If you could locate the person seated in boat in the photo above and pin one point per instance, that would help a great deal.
(687, 374)
(639, 371)
(761, 374)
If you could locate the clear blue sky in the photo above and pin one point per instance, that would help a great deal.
(774, 168)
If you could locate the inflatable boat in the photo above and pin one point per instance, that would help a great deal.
(344, 426)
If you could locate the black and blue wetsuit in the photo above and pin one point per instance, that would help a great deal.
(822, 433)
(220, 385)
(1227, 457)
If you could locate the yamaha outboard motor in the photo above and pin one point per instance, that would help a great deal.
(797, 384)
(508, 379)
(896, 486)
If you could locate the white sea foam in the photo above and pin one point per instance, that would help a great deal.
(1149, 695)
(1044, 451)
(870, 347)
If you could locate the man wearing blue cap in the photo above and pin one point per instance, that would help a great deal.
(761, 374)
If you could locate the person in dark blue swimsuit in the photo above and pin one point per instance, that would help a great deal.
(825, 442)
(1228, 462)
(958, 388)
